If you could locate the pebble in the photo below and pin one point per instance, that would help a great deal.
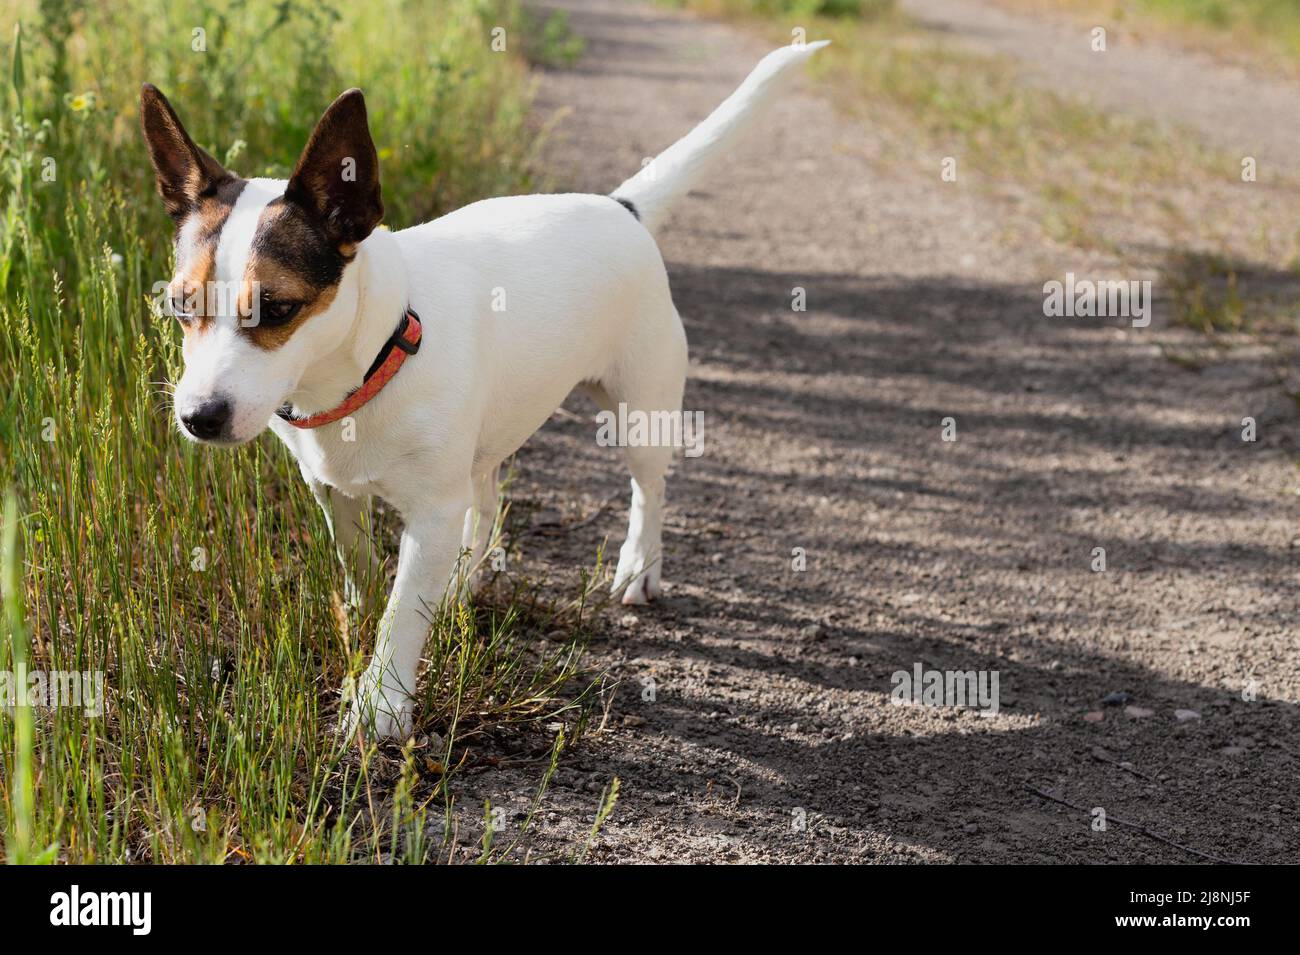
(1096, 716)
(628, 620)
(1115, 699)
(1139, 712)
(547, 518)
(1184, 715)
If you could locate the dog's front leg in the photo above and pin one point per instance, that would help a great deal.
(385, 693)
(346, 517)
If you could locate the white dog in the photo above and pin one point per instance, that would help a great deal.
(410, 364)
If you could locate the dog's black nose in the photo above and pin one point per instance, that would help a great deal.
(208, 420)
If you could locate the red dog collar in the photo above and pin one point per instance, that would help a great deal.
(405, 341)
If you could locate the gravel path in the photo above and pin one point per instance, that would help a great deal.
(1233, 106)
(771, 735)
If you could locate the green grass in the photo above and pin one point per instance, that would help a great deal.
(1258, 14)
(1233, 27)
(550, 42)
(203, 583)
(1206, 294)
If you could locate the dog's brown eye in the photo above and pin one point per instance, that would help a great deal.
(274, 313)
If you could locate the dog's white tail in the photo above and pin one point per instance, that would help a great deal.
(669, 176)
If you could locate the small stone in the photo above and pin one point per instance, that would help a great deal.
(632, 719)
(1184, 715)
(1115, 699)
(547, 518)
(1139, 712)
(1233, 751)
(430, 741)
(628, 620)
(1096, 716)
(811, 632)
(971, 828)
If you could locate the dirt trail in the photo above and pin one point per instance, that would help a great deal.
(770, 735)
(1234, 107)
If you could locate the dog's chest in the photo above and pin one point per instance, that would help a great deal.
(340, 461)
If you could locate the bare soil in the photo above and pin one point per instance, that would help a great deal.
(771, 736)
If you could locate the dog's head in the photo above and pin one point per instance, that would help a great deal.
(261, 286)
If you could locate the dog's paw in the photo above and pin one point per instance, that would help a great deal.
(637, 577)
(378, 714)
(639, 591)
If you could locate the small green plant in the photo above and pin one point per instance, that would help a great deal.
(608, 800)
(551, 42)
(1205, 294)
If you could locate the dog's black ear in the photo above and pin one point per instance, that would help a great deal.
(337, 176)
(185, 172)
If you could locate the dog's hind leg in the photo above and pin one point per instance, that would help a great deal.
(649, 389)
(480, 520)
(640, 558)
(347, 518)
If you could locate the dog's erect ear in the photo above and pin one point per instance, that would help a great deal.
(185, 172)
(337, 176)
